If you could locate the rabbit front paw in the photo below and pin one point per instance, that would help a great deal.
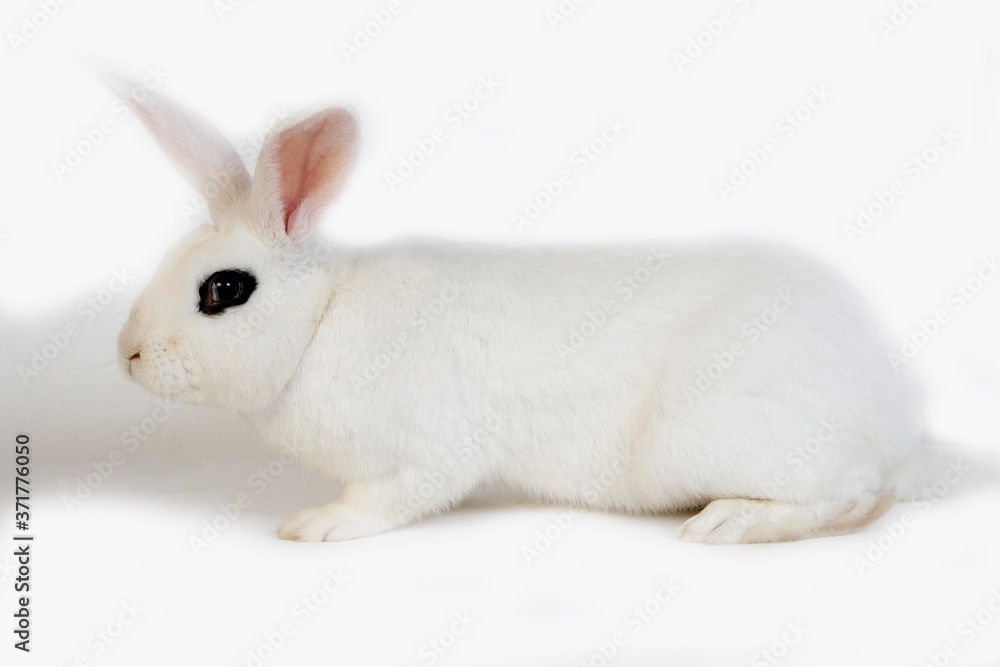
(331, 523)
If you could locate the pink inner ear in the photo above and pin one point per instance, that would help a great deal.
(312, 157)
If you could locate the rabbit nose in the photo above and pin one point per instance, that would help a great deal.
(128, 364)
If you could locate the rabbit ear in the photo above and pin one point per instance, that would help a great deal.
(300, 170)
(198, 150)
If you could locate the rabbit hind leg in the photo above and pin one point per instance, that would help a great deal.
(744, 521)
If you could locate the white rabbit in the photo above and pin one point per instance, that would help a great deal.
(739, 375)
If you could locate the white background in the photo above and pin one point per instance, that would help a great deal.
(124, 536)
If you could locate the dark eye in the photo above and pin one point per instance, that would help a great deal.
(223, 289)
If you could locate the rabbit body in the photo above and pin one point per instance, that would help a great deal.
(639, 379)
(739, 376)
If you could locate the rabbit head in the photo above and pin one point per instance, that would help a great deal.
(233, 306)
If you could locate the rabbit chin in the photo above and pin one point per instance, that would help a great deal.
(173, 374)
(170, 380)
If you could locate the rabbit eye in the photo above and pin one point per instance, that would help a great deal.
(224, 289)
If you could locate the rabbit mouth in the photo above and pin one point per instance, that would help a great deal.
(165, 373)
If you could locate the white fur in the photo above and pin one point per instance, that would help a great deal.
(416, 372)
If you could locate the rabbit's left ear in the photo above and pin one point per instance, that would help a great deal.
(301, 169)
(199, 151)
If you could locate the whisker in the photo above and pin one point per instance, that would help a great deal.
(201, 443)
(161, 445)
(116, 385)
(119, 384)
(102, 364)
(118, 312)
